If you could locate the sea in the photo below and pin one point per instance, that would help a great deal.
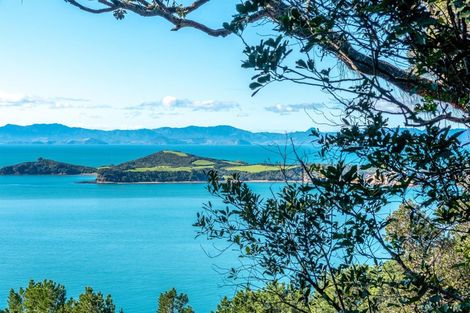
(131, 241)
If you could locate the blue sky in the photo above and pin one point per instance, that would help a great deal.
(61, 65)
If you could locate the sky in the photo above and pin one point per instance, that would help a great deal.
(59, 64)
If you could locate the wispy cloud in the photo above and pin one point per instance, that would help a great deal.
(16, 100)
(69, 105)
(171, 103)
(29, 101)
(285, 109)
(389, 107)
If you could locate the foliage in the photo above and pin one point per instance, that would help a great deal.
(172, 302)
(407, 61)
(409, 35)
(46, 167)
(316, 233)
(91, 302)
(163, 168)
(420, 46)
(273, 298)
(170, 166)
(426, 248)
(50, 297)
(386, 286)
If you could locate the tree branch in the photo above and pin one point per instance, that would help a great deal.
(110, 7)
(341, 48)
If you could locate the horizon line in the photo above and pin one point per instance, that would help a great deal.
(146, 128)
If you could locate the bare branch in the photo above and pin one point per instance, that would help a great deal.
(196, 5)
(110, 7)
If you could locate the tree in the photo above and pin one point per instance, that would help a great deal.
(91, 302)
(172, 302)
(50, 297)
(421, 47)
(327, 235)
(447, 256)
(273, 298)
(45, 296)
(427, 249)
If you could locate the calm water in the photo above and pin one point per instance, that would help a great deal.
(97, 155)
(132, 241)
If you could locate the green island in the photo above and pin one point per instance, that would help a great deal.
(163, 166)
(46, 167)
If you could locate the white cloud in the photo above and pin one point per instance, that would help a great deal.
(170, 101)
(390, 107)
(11, 99)
(173, 103)
(285, 109)
(68, 105)
(29, 101)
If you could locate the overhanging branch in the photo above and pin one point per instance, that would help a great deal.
(342, 49)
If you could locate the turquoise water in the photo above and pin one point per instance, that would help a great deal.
(97, 155)
(132, 241)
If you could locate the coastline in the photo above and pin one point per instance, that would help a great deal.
(56, 175)
(183, 182)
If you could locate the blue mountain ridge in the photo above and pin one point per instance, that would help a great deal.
(212, 135)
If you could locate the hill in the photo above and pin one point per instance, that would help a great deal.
(46, 167)
(175, 166)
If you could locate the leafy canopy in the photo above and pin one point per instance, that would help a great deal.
(326, 236)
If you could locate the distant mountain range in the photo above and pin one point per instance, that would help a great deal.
(214, 135)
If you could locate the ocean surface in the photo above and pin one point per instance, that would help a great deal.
(100, 155)
(130, 241)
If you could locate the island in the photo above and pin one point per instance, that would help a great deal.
(46, 167)
(162, 167)
(176, 166)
